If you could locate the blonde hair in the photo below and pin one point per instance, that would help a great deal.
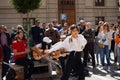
(106, 24)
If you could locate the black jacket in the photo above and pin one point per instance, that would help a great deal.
(37, 34)
(89, 35)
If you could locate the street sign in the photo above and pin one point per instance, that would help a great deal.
(63, 16)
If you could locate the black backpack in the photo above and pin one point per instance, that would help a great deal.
(10, 74)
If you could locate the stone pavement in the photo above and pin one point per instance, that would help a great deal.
(99, 73)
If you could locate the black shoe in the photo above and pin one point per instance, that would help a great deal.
(74, 74)
(31, 78)
(86, 72)
(50, 78)
(26, 79)
(118, 68)
(94, 67)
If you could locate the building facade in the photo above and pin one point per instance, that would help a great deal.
(74, 10)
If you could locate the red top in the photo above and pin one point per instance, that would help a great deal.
(117, 39)
(20, 46)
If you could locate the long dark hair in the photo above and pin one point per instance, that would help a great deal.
(20, 31)
(72, 28)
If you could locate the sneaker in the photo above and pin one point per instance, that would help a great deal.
(86, 72)
(118, 69)
(97, 64)
(31, 78)
(54, 73)
(114, 64)
(50, 78)
(74, 74)
(105, 68)
(94, 67)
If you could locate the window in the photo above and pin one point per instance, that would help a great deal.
(97, 19)
(99, 2)
(118, 19)
(67, 2)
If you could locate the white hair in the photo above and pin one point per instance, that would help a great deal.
(88, 23)
(82, 20)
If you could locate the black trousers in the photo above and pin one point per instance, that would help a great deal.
(62, 61)
(7, 52)
(74, 60)
(28, 66)
(89, 49)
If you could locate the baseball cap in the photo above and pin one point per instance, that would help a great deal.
(37, 20)
(47, 40)
(82, 20)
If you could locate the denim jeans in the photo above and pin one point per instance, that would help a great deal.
(104, 52)
(96, 50)
(118, 52)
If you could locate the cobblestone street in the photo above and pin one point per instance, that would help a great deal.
(95, 74)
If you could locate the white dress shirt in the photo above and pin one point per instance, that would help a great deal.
(77, 44)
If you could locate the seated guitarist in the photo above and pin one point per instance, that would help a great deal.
(38, 53)
(38, 49)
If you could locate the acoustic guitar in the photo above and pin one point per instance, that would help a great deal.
(56, 54)
(59, 53)
(38, 54)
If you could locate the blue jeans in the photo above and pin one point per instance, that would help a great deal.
(118, 52)
(104, 52)
(96, 49)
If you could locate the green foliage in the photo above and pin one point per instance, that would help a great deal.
(26, 6)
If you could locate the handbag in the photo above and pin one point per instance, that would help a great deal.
(101, 45)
